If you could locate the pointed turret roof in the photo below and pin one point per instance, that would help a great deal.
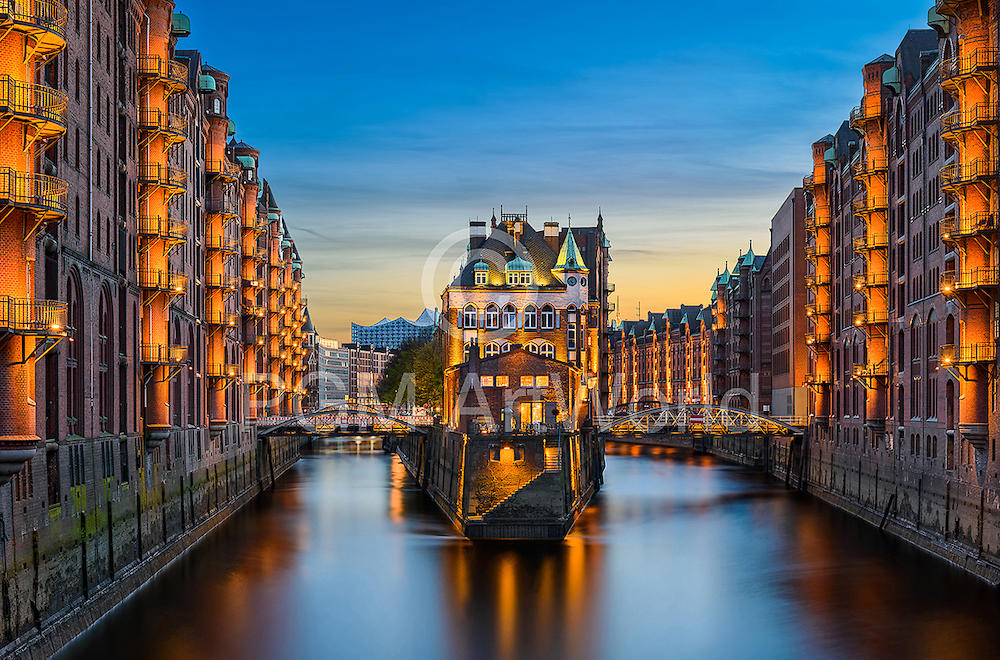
(569, 255)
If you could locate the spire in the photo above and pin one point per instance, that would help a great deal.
(569, 255)
(493, 220)
(600, 218)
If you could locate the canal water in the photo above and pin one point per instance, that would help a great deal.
(680, 556)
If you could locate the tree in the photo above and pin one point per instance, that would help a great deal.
(423, 359)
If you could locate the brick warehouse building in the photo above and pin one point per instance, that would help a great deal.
(544, 292)
(151, 308)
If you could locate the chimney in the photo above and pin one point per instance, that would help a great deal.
(477, 234)
(474, 358)
(552, 235)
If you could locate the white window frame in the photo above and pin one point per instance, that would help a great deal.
(491, 349)
(481, 277)
(550, 323)
(470, 316)
(509, 316)
(492, 317)
(530, 317)
(547, 350)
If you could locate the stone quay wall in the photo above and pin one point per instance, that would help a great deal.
(63, 572)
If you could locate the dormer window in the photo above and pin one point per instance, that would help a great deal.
(519, 272)
(482, 271)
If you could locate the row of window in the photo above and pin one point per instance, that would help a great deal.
(504, 381)
(492, 318)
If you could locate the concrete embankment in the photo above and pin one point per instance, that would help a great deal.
(950, 518)
(61, 577)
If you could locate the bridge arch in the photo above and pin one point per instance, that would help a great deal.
(396, 424)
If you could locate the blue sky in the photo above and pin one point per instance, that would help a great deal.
(385, 126)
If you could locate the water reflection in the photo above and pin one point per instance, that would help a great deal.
(680, 555)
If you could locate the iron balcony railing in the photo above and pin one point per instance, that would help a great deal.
(222, 243)
(170, 72)
(254, 310)
(953, 228)
(872, 370)
(817, 280)
(871, 242)
(47, 16)
(958, 174)
(213, 317)
(871, 317)
(39, 105)
(967, 353)
(222, 281)
(38, 193)
(223, 206)
(223, 370)
(965, 280)
(866, 112)
(223, 168)
(817, 379)
(32, 317)
(817, 339)
(160, 227)
(814, 220)
(816, 251)
(159, 279)
(815, 309)
(977, 58)
(865, 203)
(163, 176)
(870, 279)
(960, 120)
(172, 125)
(164, 353)
(809, 182)
(872, 162)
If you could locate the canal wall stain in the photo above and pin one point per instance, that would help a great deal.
(952, 519)
(68, 568)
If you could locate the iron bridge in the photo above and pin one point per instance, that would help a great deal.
(377, 419)
(715, 420)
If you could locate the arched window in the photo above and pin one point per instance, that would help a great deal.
(914, 339)
(217, 106)
(509, 317)
(547, 350)
(505, 347)
(932, 344)
(492, 316)
(465, 352)
(105, 365)
(532, 348)
(530, 317)
(949, 330)
(469, 316)
(548, 318)
(491, 349)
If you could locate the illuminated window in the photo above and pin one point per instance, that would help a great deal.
(541, 381)
(503, 381)
(571, 338)
(509, 317)
(530, 317)
(548, 318)
(486, 381)
(469, 319)
(491, 349)
(532, 348)
(547, 351)
(481, 278)
(492, 317)
(527, 381)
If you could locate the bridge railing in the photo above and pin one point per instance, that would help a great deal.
(698, 418)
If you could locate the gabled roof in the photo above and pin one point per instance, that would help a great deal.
(569, 255)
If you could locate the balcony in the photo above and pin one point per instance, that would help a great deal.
(254, 310)
(609, 287)
(814, 252)
(953, 282)
(172, 74)
(873, 163)
(39, 106)
(817, 280)
(870, 242)
(226, 319)
(814, 221)
(26, 316)
(43, 20)
(41, 195)
(222, 281)
(871, 279)
(817, 379)
(961, 174)
(223, 169)
(153, 227)
(225, 244)
(865, 203)
(158, 279)
(953, 229)
(871, 370)
(222, 206)
(173, 127)
(223, 370)
(865, 113)
(977, 59)
(252, 284)
(611, 307)
(814, 309)
(171, 179)
(164, 354)
(961, 120)
(809, 182)
(817, 339)
(871, 317)
(967, 354)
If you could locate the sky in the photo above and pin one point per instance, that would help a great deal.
(384, 127)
